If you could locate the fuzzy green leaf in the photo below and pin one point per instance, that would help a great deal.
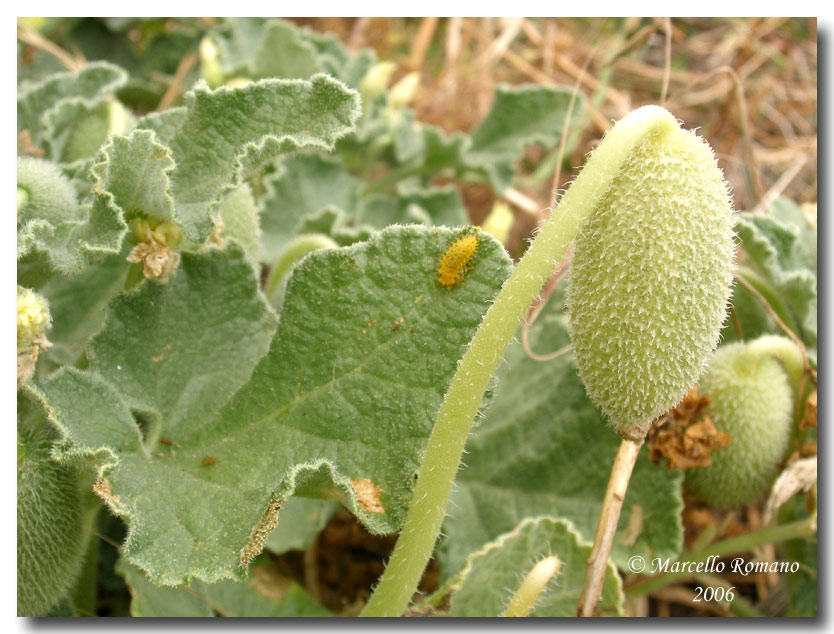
(166, 124)
(236, 40)
(283, 52)
(260, 47)
(780, 249)
(77, 305)
(47, 192)
(72, 244)
(181, 348)
(367, 344)
(336, 224)
(313, 194)
(50, 110)
(544, 449)
(441, 150)
(227, 134)
(136, 170)
(130, 177)
(304, 185)
(409, 142)
(442, 205)
(495, 572)
(226, 598)
(520, 116)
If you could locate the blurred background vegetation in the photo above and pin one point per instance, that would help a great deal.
(748, 84)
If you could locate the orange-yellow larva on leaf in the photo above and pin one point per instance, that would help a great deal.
(454, 263)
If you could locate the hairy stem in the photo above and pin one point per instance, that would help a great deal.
(463, 398)
(612, 504)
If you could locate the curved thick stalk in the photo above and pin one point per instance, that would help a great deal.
(463, 398)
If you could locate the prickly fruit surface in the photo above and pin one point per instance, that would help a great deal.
(752, 400)
(650, 279)
(49, 524)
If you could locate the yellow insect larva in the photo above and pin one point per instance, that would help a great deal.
(454, 263)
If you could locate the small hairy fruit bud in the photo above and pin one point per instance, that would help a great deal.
(650, 279)
(752, 400)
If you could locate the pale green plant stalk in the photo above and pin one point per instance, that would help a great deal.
(293, 252)
(532, 586)
(457, 412)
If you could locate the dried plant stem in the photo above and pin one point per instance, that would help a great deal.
(667, 66)
(612, 504)
(28, 35)
(421, 42)
(188, 61)
(780, 185)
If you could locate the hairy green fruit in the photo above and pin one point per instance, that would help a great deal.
(49, 522)
(49, 194)
(752, 400)
(651, 277)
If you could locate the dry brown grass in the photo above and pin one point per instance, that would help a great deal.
(748, 84)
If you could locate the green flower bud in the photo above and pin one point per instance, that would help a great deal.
(651, 277)
(210, 68)
(752, 400)
(48, 193)
(33, 316)
(376, 80)
(402, 93)
(499, 222)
